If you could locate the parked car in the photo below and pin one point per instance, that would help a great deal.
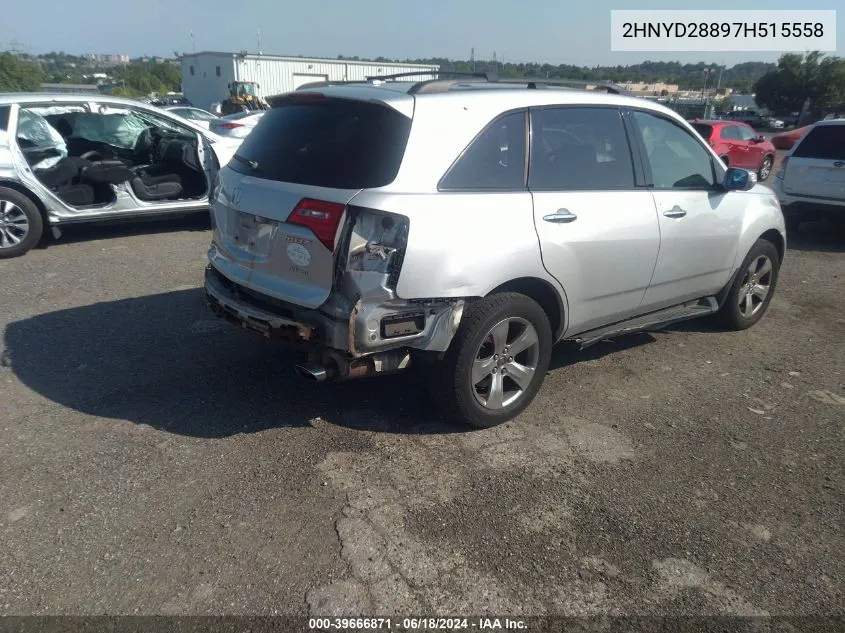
(197, 115)
(749, 117)
(775, 123)
(738, 145)
(237, 125)
(785, 140)
(454, 241)
(811, 181)
(82, 158)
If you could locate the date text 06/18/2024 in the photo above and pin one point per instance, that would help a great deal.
(418, 624)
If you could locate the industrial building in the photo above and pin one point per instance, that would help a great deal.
(206, 76)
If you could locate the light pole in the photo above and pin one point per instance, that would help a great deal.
(704, 90)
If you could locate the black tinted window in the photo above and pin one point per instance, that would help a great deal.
(823, 141)
(335, 143)
(494, 160)
(704, 130)
(676, 159)
(579, 148)
(4, 117)
(731, 131)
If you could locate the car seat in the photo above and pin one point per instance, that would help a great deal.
(145, 187)
(62, 178)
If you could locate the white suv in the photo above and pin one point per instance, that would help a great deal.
(811, 181)
(469, 229)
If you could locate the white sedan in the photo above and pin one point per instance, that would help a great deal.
(236, 125)
(198, 116)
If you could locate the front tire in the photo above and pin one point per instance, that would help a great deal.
(20, 223)
(496, 362)
(753, 288)
(765, 169)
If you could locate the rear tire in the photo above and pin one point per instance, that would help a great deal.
(21, 224)
(753, 288)
(497, 361)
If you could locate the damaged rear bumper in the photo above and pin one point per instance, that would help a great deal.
(341, 327)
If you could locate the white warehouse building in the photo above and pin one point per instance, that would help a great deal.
(206, 76)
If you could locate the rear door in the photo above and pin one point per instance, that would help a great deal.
(816, 167)
(737, 151)
(283, 196)
(598, 230)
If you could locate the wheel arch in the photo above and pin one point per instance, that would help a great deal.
(544, 294)
(774, 236)
(23, 190)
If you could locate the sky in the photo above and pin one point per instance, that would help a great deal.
(562, 32)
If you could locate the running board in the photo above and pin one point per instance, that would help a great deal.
(651, 321)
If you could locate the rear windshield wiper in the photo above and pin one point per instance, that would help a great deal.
(252, 164)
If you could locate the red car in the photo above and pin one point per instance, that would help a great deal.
(785, 140)
(738, 145)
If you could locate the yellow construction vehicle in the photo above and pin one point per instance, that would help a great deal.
(243, 97)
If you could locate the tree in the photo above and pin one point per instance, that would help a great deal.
(19, 75)
(799, 77)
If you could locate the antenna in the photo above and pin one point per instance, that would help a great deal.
(472, 60)
(193, 43)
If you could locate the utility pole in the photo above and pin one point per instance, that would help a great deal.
(259, 41)
(193, 42)
(472, 60)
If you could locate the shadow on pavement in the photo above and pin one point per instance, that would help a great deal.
(165, 361)
(824, 236)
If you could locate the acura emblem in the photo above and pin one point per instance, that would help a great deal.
(838, 163)
(236, 195)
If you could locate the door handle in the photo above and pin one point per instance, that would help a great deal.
(675, 212)
(562, 216)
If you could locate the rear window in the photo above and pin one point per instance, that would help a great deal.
(337, 143)
(704, 130)
(826, 142)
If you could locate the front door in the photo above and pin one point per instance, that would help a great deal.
(737, 148)
(598, 231)
(700, 221)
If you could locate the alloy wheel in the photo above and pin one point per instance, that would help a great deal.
(755, 287)
(505, 364)
(14, 225)
(765, 168)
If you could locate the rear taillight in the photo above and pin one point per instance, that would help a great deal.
(323, 218)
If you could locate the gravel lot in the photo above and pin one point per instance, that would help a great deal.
(156, 460)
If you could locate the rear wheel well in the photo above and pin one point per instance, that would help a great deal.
(774, 236)
(543, 293)
(12, 184)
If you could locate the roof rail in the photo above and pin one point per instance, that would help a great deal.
(446, 79)
(425, 73)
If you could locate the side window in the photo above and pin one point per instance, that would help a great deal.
(579, 148)
(730, 132)
(746, 134)
(4, 118)
(495, 160)
(676, 159)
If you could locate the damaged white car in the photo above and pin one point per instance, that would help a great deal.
(82, 158)
(469, 229)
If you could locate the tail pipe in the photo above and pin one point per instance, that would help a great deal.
(337, 369)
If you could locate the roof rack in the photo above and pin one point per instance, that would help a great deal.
(446, 79)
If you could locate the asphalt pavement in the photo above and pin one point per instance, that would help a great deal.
(154, 459)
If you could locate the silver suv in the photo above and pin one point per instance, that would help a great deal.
(468, 226)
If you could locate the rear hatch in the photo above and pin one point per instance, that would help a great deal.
(282, 201)
(817, 165)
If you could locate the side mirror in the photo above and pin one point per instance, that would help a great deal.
(739, 179)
